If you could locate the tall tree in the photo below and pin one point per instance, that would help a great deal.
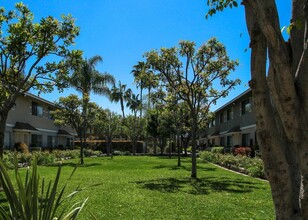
(194, 80)
(134, 129)
(152, 127)
(107, 125)
(150, 82)
(119, 93)
(134, 103)
(28, 52)
(87, 79)
(280, 99)
(70, 112)
(140, 72)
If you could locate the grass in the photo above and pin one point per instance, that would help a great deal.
(155, 188)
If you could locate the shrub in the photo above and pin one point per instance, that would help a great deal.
(119, 146)
(21, 146)
(35, 149)
(217, 150)
(8, 159)
(242, 151)
(44, 158)
(24, 159)
(255, 167)
(126, 153)
(227, 150)
(72, 154)
(121, 153)
(91, 153)
(189, 149)
(229, 161)
(208, 156)
(27, 202)
(247, 165)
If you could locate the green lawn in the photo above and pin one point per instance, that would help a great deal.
(155, 188)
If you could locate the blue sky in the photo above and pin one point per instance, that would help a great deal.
(121, 31)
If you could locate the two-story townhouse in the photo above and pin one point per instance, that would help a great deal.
(30, 122)
(234, 124)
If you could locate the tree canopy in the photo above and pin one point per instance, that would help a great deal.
(33, 55)
(197, 77)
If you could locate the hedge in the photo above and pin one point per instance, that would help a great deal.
(243, 164)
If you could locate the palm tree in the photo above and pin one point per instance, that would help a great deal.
(134, 103)
(140, 71)
(87, 79)
(120, 94)
(150, 82)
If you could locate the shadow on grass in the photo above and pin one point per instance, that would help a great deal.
(170, 167)
(175, 167)
(77, 165)
(200, 186)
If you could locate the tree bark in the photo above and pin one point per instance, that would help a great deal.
(155, 146)
(194, 145)
(3, 117)
(281, 122)
(122, 107)
(177, 137)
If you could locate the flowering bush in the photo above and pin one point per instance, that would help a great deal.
(242, 151)
(243, 164)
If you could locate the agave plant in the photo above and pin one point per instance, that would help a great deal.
(32, 200)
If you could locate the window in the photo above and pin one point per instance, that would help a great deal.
(49, 114)
(222, 141)
(36, 140)
(37, 109)
(246, 106)
(51, 141)
(212, 123)
(221, 117)
(7, 139)
(245, 140)
(229, 141)
(69, 142)
(229, 114)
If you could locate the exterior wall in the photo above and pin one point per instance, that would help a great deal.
(46, 131)
(234, 123)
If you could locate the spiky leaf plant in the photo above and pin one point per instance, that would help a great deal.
(32, 200)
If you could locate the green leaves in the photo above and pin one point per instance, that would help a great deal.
(30, 51)
(28, 202)
(219, 5)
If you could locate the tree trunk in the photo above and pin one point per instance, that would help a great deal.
(141, 89)
(122, 107)
(110, 147)
(281, 124)
(161, 143)
(85, 99)
(3, 117)
(134, 147)
(178, 146)
(194, 128)
(107, 146)
(155, 146)
(185, 145)
(170, 146)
